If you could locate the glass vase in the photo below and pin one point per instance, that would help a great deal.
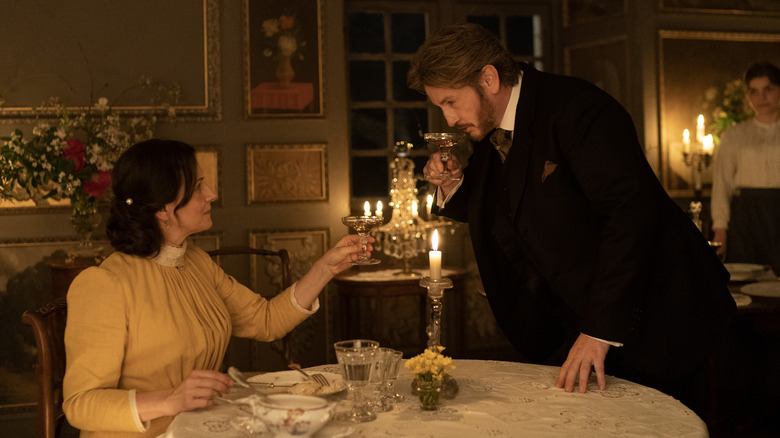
(85, 219)
(428, 393)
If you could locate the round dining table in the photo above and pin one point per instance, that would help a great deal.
(495, 399)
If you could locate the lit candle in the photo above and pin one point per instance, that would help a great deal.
(429, 204)
(366, 209)
(706, 145)
(686, 141)
(700, 129)
(379, 208)
(414, 209)
(434, 257)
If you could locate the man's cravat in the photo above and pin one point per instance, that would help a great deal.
(502, 141)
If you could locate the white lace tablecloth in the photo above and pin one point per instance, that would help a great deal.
(498, 399)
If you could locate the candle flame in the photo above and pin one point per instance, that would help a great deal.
(429, 202)
(700, 121)
(686, 136)
(707, 144)
(367, 209)
(435, 240)
(378, 207)
(414, 208)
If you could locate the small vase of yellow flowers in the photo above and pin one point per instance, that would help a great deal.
(429, 369)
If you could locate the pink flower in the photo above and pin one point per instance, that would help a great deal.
(98, 184)
(286, 22)
(75, 151)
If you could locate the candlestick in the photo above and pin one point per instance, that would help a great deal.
(379, 208)
(434, 257)
(366, 209)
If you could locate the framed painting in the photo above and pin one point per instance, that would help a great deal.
(585, 11)
(108, 57)
(722, 6)
(283, 58)
(692, 66)
(25, 284)
(286, 173)
(604, 63)
(208, 157)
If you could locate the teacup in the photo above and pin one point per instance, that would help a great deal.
(290, 415)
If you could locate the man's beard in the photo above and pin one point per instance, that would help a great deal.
(486, 117)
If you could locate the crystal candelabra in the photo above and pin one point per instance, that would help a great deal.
(405, 235)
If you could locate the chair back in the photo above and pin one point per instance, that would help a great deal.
(48, 325)
(284, 260)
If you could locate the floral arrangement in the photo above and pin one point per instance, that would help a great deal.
(726, 106)
(430, 365)
(71, 153)
(282, 37)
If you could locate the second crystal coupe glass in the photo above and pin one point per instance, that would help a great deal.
(445, 141)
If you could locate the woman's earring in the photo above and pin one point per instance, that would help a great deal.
(167, 225)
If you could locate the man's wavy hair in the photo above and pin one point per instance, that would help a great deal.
(455, 56)
(763, 69)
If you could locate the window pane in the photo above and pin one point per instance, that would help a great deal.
(368, 129)
(367, 80)
(369, 177)
(401, 91)
(520, 35)
(491, 23)
(408, 32)
(366, 32)
(410, 123)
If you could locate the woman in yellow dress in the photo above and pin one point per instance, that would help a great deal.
(147, 330)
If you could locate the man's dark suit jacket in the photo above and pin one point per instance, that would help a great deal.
(574, 233)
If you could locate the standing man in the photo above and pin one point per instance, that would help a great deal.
(582, 254)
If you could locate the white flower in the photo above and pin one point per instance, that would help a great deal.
(287, 45)
(102, 104)
(270, 27)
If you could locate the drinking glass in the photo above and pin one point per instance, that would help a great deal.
(363, 224)
(393, 367)
(357, 357)
(445, 141)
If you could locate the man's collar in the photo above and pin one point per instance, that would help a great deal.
(508, 121)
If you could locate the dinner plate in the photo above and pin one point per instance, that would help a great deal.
(744, 271)
(762, 289)
(741, 300)
(296, 383)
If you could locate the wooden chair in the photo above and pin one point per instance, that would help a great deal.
(48, 325)
(284, 258)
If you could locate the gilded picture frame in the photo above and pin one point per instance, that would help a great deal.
(604, 63)
(741, 7)
(283, 67)
(210, 161)
(577, 12)
(278, 173)
(687, 70)
(110, 57)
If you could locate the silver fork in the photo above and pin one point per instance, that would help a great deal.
(317, 377)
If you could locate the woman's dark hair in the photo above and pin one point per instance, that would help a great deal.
(146, 177)
(763, 69)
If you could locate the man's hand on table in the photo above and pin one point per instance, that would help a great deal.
(586, 352)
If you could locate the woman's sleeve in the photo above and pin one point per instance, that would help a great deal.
(252, 315)
(95, 338)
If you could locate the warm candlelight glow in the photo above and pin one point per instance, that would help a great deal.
(707, 144)
(434, 257)
(366, 209)
(686, 141)
(429, 204)
(700, 129)
(379, 208)
(414, 208)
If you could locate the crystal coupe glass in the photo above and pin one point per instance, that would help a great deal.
(363, 224)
